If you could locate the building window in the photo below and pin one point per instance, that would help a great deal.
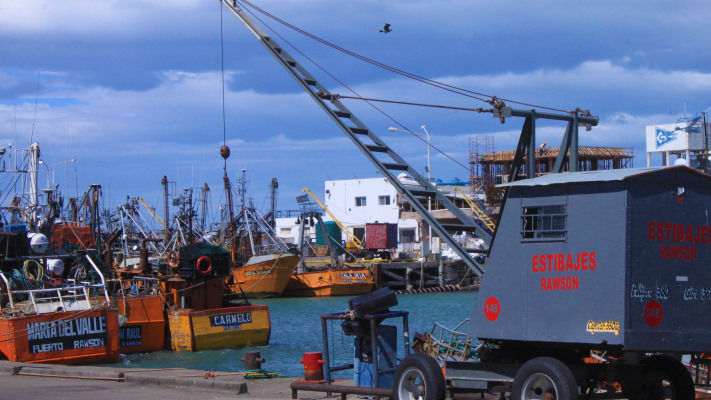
(360, 201)
(384, 200)
(543, 223)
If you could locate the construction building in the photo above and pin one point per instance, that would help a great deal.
(490, 168)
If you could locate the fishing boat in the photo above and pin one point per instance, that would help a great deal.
(207, 326)
(184, 278)
(54, 303)
(198, 318)
(66, 324)
(137, 299)
(330, 282)
(220, 328)
(141, 303)
(82, 336)
(262, 263)
(264, 275)
(332, 276)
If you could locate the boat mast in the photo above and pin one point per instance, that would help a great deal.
(189, 213)
(272, 218)
(34, 200)
(164, 182)
(205, 193)
(225, 153)
(94, 215)
(245, 212)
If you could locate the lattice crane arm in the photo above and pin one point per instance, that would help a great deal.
(385, 159)
(153, 214)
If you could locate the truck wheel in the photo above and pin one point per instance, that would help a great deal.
(419, 377)
(666, 378)
(544, 378)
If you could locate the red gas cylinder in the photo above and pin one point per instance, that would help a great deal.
(313, 366)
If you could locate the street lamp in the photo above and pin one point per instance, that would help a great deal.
(52, 166)
(426, 136)
(429, 171)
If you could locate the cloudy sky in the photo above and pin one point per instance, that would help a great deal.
(132, 89)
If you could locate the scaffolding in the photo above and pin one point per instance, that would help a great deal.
(478, 147)
(492, 168)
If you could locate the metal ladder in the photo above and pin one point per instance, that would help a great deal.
(483, 217)
(375, 149)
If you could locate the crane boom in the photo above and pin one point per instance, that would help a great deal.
(374, 148)
(153, 214)
(348, 233)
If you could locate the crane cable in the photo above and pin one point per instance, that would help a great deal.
(348, 87)
(222, 63)
(323, 69)
(454, 89)
(366, 59)
(340, 96)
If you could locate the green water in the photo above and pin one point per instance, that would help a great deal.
(296, 329)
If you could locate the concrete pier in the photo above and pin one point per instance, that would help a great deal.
(60, 382)
(57, 382)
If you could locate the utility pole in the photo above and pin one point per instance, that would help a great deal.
(429, 199)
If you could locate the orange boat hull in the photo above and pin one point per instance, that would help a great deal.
(331, 282)
(145, 329)
(266, 277)
(71, 337)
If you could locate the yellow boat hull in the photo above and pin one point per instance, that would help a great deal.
(219, 328)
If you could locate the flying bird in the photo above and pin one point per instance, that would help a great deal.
(386, 29)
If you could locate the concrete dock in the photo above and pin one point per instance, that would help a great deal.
(58, 382)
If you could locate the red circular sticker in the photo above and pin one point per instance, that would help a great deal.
(653, 313)
(492, 308)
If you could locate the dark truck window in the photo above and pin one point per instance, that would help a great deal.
(543, 223)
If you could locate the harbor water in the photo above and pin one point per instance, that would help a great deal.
(296, 329)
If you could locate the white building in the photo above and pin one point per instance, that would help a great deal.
(287, 228)
(355, 203)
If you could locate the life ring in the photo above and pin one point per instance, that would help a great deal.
(200, 265)
(173, 259)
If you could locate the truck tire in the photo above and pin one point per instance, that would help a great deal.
(544, 378)
(419, 377)
(659, 369)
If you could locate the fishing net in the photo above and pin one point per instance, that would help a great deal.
(65, 235)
